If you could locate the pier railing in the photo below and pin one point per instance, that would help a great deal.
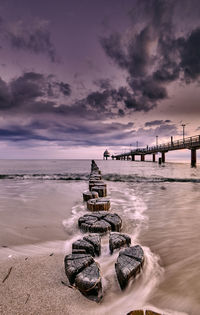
(186, 143)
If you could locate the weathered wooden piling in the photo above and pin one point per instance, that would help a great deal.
(80, 266)
(102, 191)
(96, 183)
(98, 204)
(100, 222)
(118, 240)
(83, 272)
(129, 264)
(141, 312)
(90, 195)
(90, 244)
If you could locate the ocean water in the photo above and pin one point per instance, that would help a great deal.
(41, 201)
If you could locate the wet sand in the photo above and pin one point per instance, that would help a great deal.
(34, 287)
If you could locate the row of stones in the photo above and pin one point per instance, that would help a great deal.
(80, 266)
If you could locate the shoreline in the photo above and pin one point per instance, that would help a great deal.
(37, 284)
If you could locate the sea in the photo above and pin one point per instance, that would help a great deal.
(41, 201)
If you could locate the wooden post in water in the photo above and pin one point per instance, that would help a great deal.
(154, 157)
(193, 157)
(133, 157)
(163, 157)
(142, 157)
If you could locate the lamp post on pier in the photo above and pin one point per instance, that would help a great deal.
(183, 125)
(157, 141)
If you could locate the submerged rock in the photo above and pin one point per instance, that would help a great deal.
(118, 240)
(129, 264)
(100, 222)
(98, 204)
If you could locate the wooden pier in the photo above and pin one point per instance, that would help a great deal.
(190, 143)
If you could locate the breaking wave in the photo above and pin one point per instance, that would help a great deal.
(108, 177)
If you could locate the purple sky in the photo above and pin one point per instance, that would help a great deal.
(80, 76)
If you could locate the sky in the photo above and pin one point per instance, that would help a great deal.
(81, 76)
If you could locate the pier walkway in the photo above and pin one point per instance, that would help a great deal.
(190, 143)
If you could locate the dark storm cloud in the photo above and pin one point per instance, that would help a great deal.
(34, 37)
(36, 93)
(16, 133)
(103, 84)
(156, 122)
(64, 88)
(32, 111)
(190, 55)
(114, 49)
(164, 130)
(65, 132)
(31, 92)
(153, 53)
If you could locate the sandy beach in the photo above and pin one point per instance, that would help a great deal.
(34, 287)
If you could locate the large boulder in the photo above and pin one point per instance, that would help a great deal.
(129, 264)
(100, 222)
(118, 240)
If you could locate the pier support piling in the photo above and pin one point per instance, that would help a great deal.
(133, 157)
(163, 157)
(154, 157)
(142, 157)
(193, 157)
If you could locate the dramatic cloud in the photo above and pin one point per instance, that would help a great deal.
(156, 122)
(164, 130)
(103, 83)
(31, 92)
(34, 38)
(153, 53)
(68, 132)
(146, 64)
(190, 55)
(32, 110)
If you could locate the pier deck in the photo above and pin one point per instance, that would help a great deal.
(190, 143)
